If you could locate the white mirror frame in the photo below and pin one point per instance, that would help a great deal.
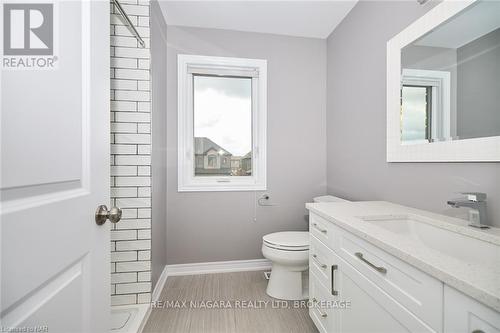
(485, 149)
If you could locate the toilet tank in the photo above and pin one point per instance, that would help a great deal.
(329, 198)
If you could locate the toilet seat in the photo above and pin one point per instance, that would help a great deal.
(287, 240)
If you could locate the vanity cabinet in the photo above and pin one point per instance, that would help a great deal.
(345, 300)
(355, 286)
(463, 314)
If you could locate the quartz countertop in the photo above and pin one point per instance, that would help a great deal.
(478, 280)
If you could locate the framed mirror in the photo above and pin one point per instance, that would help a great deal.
(443, 85)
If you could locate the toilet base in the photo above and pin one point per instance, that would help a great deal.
(287, 285)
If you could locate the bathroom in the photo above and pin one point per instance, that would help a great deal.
(365, 206)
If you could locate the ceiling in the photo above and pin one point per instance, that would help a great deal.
(315, 19)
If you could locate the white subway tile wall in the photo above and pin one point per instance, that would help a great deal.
(131, 156)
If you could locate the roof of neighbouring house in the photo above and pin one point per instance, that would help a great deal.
(202, 145)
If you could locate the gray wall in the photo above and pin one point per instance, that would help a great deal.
(159, 142)
(356, 121)
(479, 87)
(215, 226)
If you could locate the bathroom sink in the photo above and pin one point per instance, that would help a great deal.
(450, 243)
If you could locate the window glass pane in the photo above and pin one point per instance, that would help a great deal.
(222, 125)
(415, 113)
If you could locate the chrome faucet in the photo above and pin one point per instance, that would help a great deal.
(476, 201)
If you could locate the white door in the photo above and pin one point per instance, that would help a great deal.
(54, 173)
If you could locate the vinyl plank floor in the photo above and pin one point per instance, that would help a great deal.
(225, 302)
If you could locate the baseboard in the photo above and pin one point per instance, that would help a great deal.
(218, 267)
(159, 285)
(208, 268)
(145, 319)
(155, 296)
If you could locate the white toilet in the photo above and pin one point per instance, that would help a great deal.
(289, 253)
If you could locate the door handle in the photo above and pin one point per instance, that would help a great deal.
(102, 214)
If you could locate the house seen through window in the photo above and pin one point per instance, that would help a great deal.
(222, 107)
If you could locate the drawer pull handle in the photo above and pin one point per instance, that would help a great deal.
(319, 262)
(322, 314)
(478, 331)
(377, 268)
(334, 292)
(320, 229)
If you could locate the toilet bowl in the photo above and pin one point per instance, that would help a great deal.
(289, 253)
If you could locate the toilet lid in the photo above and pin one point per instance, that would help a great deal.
(288, 240)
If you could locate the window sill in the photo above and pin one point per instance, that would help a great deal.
(218, 187)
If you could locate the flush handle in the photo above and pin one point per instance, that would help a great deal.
(102, 214)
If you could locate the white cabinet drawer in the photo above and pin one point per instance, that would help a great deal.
(462, 314)
(322, 229)
(415, 290)
(320, 261)
(371, 309)
(319, 311)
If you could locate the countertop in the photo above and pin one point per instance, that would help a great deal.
(480, 281)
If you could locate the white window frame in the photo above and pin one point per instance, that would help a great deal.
(186, 66)
(440, 81)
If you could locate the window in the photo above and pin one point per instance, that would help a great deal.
(221, 123)
(211, 163)
(425, 106)
(416, 113)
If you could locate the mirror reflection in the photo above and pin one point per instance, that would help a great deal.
(450, 79)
